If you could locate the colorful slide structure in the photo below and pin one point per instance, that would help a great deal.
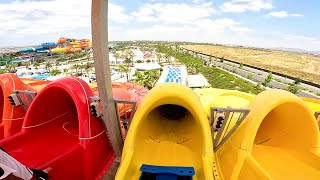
(60, 132)
(211, 97)
(11, 117)
(171, 135)
(43, 48)
(65, 45)
(169, 132)
(278, 139)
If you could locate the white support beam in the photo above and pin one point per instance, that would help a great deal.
(99, 27)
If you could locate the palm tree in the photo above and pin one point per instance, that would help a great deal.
(88, 56)
(147, 79)
(129, 56)
(7, 67)
(159, 56)
(11, 68)
(55, 72)
(127, 63)
(87, 68)
(117, 55)
(81, 67)
(26, 64)
(124, 69)
(167, 58)
(121, 68)
(65, 71)
(76, 67)
(36, 65)
(48, 66)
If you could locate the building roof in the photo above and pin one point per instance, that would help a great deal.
(147, 66)
(198, 80)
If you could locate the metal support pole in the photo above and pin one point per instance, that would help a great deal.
(99, 27)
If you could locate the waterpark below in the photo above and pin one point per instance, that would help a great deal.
(47, 49)
(172, 122)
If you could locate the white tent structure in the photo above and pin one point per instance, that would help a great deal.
(147, 66)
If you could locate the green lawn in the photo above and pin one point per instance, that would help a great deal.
(223, 80)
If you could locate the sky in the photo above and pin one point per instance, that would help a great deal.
(258, 23)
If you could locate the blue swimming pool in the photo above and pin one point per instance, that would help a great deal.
(36, 76)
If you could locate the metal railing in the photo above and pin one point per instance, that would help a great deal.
(125, 110)
(223, 122)
(125, 116)
(25, 97)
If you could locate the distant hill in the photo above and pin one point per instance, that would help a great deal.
(297, 50)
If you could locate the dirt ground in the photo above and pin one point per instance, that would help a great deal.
(305, 66)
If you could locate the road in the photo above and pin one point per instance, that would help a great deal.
(258, 75)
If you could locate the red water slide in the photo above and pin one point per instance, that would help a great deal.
(11, 117)
(60, 132)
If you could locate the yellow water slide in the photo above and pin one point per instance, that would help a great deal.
(58, 50)
(279, 139)
(314, 104)
(170, 128)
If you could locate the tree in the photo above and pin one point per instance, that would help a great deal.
(167, 56)
(127, 63)
(36, 65)
(75, 67)
(55, 72)
(48, 66)
(267, 80)
(65, 71)
(7, 67)
(58, 62)
(222, 59)
(26, 64)
(88, 56)
(63, 57)
(147, 79)
(121, 69)
(11, 68)
(81, 67)
(210, 60)
(87, 68)
(129, 55)
(297, 81)
(159, 56)
(117, 56)
(293, 88)
(124, 69)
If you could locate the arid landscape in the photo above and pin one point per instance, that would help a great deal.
(295, 64)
